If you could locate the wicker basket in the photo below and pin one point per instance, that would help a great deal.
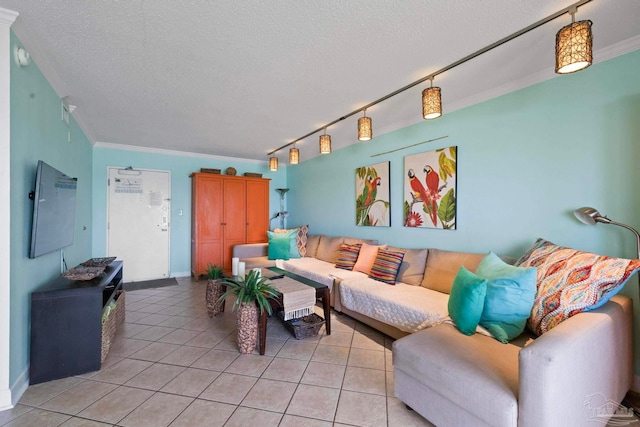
(305, 327)
(120, 307)
(108, 332)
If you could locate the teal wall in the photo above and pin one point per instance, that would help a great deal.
(181, 167)
(38, 133)
(526, 160)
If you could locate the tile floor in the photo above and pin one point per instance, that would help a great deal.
(171, 365)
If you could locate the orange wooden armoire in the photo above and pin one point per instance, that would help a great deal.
(225, 211)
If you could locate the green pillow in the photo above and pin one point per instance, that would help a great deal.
(466, 300)
(510, 294)
(279, 245)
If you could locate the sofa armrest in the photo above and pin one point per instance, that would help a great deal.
(582, 364)
(250, 250)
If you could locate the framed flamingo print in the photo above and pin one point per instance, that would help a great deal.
(372, 195)
(430, 192)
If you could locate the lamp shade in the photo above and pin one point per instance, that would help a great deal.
(273, 163)
(574, 45)
(325, 144)
(589, 216)
(365, 132)
(431, 103)
(294, 156)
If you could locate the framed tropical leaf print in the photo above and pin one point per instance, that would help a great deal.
(430, 192)
(372, 195)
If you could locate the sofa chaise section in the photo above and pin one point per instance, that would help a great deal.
(456, 380)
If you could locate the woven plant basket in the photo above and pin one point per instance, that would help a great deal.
(247, 325)
(120, 308)
(215, 289)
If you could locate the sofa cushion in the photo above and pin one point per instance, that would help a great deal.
(467, 300)
(367, 257)
(413, 265)
(328, 248)
(510, 294)
(476, 371)
(442, 267)
(408, 308)
(347, 256)
(313, 240)
(279, 245)
(571, 281)
(386, 265)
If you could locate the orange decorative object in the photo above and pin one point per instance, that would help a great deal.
(226, 211)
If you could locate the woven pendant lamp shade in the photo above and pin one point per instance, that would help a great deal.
(273, 163)
(574, 45)
(431, 103)
(365, 131)
(325, 144)
(294, 156)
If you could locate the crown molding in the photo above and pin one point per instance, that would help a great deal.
(604, 54)
(151, 150)
(7, 17)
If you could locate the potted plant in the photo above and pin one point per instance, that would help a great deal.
(215, 289)
(252, 296)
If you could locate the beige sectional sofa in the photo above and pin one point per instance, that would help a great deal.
(456, 380)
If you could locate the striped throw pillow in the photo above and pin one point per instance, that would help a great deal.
(347, 256)
(385, 267)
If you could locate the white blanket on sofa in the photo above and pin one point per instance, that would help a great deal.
(408, 308)
(319, 271)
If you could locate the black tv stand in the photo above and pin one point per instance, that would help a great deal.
(66, 324)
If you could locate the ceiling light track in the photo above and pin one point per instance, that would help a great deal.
(571, 9)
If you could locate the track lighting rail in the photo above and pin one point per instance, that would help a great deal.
(569, 9)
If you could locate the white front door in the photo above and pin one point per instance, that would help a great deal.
(138, 212)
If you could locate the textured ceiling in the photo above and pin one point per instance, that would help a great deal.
(242, 78)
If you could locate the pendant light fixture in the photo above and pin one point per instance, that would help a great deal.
(431, 102)
(273, 163)
(365, 132)
(325, 143)
(574, 46)
(294, 155)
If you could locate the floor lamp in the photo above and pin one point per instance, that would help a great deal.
(591, 216)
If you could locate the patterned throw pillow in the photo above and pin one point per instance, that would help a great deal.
(571, 281)
(301, 239)
(385, 267)
(347, 256)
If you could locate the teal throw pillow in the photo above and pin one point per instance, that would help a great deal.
(294, 252)
(279, 245)
(466, 300)
(510, 294)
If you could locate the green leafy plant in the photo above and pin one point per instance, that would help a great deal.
(214, 272)
(252, 288)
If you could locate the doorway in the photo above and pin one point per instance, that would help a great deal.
(138, 226)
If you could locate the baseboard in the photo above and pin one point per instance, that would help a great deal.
(181, 274)
(5, 400)
(20, 386)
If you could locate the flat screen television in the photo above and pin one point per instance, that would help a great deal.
(54, 210)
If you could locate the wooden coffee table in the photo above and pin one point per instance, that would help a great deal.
(322, 293)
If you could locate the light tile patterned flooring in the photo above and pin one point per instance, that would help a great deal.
(171, 365)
